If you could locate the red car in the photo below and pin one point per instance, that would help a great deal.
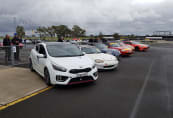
(123, 49)
(137, 45)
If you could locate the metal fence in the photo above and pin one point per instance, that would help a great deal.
(15, 55)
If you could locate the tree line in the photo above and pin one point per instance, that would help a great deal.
(54, 31)
(61, 30)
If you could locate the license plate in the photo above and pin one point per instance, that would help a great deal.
(82, 75)
(106, 64)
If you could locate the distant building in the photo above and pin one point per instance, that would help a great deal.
(154, 38)
(162, 33)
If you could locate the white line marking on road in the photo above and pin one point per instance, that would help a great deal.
(140, 95)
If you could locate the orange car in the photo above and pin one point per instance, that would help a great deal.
(137, 45)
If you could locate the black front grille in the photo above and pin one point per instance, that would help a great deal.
(78, 79)
(74, 71)
(109, 66)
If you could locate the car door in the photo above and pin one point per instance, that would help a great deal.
(42, 61)
(34, 57)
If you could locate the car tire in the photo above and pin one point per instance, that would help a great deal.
(31, 65)
(136, 48)
(47, 77)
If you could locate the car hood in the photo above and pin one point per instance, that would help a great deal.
(101, 56)
(73, 62)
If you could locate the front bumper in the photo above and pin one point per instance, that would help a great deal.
(107, 65)
(128, 52)
(66, 78)
(144, 48)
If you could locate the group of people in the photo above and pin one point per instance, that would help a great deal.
(7, 44)
(91, 40)
(97, 40)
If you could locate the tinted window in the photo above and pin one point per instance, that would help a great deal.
(37, 48)
(127, 42)
(42, 50)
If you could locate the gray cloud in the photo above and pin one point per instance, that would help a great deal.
(107, 16)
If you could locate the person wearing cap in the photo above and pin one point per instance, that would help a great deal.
(7, 47)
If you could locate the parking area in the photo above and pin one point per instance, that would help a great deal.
(140, 88)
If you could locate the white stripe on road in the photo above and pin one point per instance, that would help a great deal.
(140, 95)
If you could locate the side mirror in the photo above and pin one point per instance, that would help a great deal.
(41, 56)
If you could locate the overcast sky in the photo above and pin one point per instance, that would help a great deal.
(107, 16)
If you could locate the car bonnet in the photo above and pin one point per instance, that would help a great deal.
(73, 62)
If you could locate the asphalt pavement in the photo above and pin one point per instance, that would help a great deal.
(141, 88)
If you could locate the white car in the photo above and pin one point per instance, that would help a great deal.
(62, 63)
(102, 61)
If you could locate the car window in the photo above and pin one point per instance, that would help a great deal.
(127, 42)
(37, 48)
(134, 42)
(90, 50)
(64, 50)
(42, 50)
(101, 46)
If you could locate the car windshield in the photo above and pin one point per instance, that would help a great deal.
(114, 45)
(101, 46)
(90, 50)
(64, 50)
(122, 44)
(134, 42)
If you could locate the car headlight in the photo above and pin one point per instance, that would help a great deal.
(59, 68)
(124, 49)
(99, 61)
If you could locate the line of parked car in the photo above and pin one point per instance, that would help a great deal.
(65, 63)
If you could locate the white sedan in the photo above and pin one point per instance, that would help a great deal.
(62, 63)
(103, 61)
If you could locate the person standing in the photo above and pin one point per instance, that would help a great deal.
(60, 39)
(16, 42)
(7, 46)
(91, 40)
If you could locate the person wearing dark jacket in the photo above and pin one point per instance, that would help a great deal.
(60, 39)
(91, 40)
(7, 47)
(16, 42)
